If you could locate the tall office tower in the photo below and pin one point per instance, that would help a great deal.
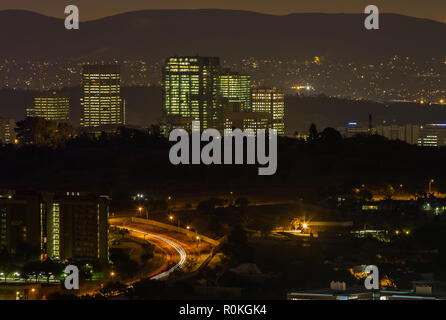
(102, 104)
(19, 220)
(236, 88)
(191, 93)
(75, 226)
(7, 131)
(50, 106)
(271, 100)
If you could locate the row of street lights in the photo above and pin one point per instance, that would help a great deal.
(197, 237)
(142, 209)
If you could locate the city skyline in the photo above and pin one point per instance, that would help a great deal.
(429, 9)
(222, 154)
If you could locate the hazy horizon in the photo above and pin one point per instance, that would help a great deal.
(429, 9)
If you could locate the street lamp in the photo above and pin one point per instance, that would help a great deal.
(430, 185)
(198, 241)
(169, 204)
(171, 220)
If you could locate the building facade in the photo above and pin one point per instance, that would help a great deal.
(432, 135)
(19, 220)
(51, 106)
(353, 129)
(236, 89)
(191, 92)
(408, 133)
(198, 89)
(243, 120)
(272, 101)
(74, 226)
(63, 226)
(7, 131)
(102, 104)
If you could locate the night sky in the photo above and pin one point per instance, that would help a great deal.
(93, 9)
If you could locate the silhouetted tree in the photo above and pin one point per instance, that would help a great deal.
(314, 135)
(330, 135)
(40, 132)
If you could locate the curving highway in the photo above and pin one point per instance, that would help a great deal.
(177, 247)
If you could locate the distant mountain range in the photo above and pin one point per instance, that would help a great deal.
(226, 33)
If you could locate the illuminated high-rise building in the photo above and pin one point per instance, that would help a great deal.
(236, 88)
(191, 92)
(7, 131)
(64, 226)
(102, 104)
(272, 101)
(74, 226)
(50, 106)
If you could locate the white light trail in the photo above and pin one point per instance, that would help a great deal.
(175, 245)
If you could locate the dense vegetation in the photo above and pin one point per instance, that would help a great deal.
(132, 160)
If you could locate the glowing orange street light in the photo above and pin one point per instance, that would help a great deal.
(430, 185)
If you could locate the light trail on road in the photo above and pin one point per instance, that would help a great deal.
(171, 243)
